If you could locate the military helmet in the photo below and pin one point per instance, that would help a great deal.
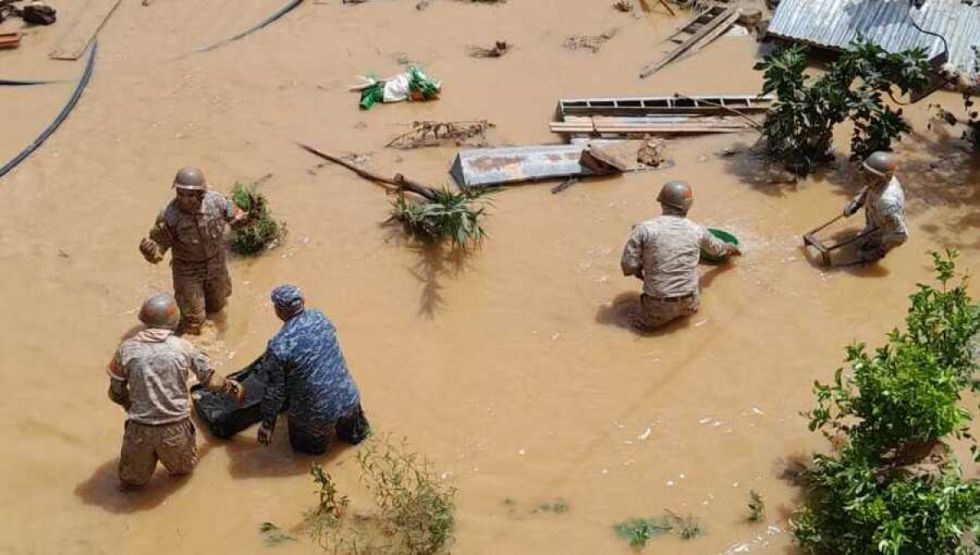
(160, 311)
(676, 194)
(879, 163)
(190, 179)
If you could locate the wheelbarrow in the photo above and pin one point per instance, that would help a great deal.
(825, 249)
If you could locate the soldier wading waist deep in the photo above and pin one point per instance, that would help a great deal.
(192, 227)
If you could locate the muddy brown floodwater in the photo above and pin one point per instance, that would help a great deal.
(509, 369)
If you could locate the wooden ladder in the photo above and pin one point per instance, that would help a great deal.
(695, 35)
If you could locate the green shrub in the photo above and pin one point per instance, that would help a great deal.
(798, 131)
(260, 231)
(893, 487)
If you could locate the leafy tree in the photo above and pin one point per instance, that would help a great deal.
(894, 487)
(798, 131)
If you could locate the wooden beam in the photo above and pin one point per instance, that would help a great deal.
(72, 44)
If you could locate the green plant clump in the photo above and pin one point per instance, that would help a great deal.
(416, 509)
(260, 231)
(798, 131)
(894, 486)
(453, 216)
(639, 531)
(273, 535)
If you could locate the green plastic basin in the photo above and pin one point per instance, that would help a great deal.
(724, 236)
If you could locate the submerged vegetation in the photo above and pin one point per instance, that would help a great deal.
(798, 131)
(894, 486)
(639, 531)
(260, 231)
(448, 215)
(413, 511)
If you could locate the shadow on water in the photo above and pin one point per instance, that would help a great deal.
(250, 459)
(623, 310)
(436, 262)
(102, 488)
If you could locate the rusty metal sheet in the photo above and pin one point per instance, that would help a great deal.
(487, 167)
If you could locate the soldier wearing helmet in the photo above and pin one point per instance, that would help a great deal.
(148, 377)
(664, 253)
(884, 208)
(192, 226)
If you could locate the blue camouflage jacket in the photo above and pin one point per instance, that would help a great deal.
(307, 374)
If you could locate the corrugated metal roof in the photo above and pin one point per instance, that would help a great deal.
(836, 23)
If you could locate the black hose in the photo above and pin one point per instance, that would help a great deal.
(82, 83)
(908, 15)
(16, 83)
(272, 18)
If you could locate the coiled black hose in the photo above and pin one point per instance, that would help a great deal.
(82, 83)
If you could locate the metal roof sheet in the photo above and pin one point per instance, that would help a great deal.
(834, 24)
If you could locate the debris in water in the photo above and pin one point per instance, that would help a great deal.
(757, 410)
(521, 452)
(644, 435)
(442, 133)
(498, 49)
(589, 42)
(624, 6)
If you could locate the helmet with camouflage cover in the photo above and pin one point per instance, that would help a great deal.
(676, 194)
(880, 163)
(190, 179)
(160, 311)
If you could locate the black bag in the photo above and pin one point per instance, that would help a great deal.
(39, 14)
(222, 414)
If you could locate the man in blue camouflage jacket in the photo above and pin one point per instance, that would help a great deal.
(308, 379)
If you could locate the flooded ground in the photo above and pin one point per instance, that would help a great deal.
(510, 370)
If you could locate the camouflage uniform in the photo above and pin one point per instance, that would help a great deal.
(665, 252)
(149, 378)
(309, 380)
(201, 281)
(884, 213)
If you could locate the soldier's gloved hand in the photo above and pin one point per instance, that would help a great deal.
(265, 434)
(851, 208)
(150, 251)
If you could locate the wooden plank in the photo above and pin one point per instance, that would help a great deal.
(724, 20)
(73, 43)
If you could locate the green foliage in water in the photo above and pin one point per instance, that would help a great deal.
(639, 531)
(261, 231)
(413, 511)
(453, 216)
(798, 131)
(558, 506)
(871, 496)
(416, 508)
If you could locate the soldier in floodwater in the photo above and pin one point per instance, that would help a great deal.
(884, 208)
(308, 379)
(664, 253)
(193, 226)
(148, 377)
